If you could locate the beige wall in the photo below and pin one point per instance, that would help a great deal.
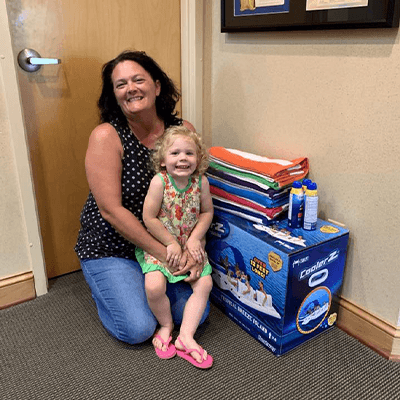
(20, 242)
(333, 96)
(14, 253)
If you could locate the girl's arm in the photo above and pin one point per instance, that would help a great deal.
(196, 241)
(151, 208)
(206, 212)
(103, 170)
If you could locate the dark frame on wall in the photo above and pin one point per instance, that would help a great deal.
(247, 16)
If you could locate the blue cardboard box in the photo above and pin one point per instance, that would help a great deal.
(279, 284)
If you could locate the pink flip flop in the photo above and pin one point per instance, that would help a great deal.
(171, 350)
(185, 354)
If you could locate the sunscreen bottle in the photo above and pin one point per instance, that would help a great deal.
(305, 183)
(311, 207)
(296, 197)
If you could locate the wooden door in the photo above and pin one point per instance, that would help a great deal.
(59, 101)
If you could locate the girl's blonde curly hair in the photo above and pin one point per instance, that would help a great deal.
(166, 140)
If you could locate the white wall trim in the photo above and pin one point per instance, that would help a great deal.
(21, 154)
(192, 62)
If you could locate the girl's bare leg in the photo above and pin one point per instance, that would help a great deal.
(192, 314)
(156, 285)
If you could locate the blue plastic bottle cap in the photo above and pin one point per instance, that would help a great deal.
(306, 182)
(312, 186)
(297, 184)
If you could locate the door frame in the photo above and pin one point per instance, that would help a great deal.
(192, 61)
(192, 110)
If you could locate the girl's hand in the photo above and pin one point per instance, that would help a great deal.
(174, 254)
(196, 250)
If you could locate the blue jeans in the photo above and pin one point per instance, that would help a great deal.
(117, 286)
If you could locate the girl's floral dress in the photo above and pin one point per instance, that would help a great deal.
(179, 213)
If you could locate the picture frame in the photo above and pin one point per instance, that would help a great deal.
(270, 15)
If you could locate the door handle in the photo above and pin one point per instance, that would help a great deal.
(30, 60)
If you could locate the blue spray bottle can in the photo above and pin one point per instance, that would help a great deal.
(305, 183)
(296, 198)
(311, 207)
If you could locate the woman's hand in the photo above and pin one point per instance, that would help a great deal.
(174, 254)
(189, 265)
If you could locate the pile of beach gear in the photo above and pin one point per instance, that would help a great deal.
(251, 186)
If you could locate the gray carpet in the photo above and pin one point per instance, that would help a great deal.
(54, 347)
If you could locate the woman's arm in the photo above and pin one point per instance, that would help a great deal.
(103, 170)
(188, 125)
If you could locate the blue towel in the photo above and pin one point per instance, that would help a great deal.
(244, 212)
(249, 194)
(247, 184)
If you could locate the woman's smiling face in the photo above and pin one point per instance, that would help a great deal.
(134, 88)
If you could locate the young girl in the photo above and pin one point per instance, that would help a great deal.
(178, 211)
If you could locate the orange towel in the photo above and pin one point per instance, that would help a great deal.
(279, 170)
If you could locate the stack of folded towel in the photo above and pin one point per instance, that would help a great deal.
(250, 186)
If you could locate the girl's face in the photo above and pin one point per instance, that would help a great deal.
(134, 88)
(180, 159)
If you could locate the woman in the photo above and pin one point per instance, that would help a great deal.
(136, 105)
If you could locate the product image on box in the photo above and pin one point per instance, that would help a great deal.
(313, 310)
(238, 283)
(276, 282)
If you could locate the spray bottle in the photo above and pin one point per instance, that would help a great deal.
(296, 197)
(311, 207)
(305, 183)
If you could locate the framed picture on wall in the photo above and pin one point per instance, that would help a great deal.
(267, 15)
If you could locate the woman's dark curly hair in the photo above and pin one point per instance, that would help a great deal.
(165, 101)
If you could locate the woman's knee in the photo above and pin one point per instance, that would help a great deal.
(131, 327)
(135, 332)
(118, 290)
